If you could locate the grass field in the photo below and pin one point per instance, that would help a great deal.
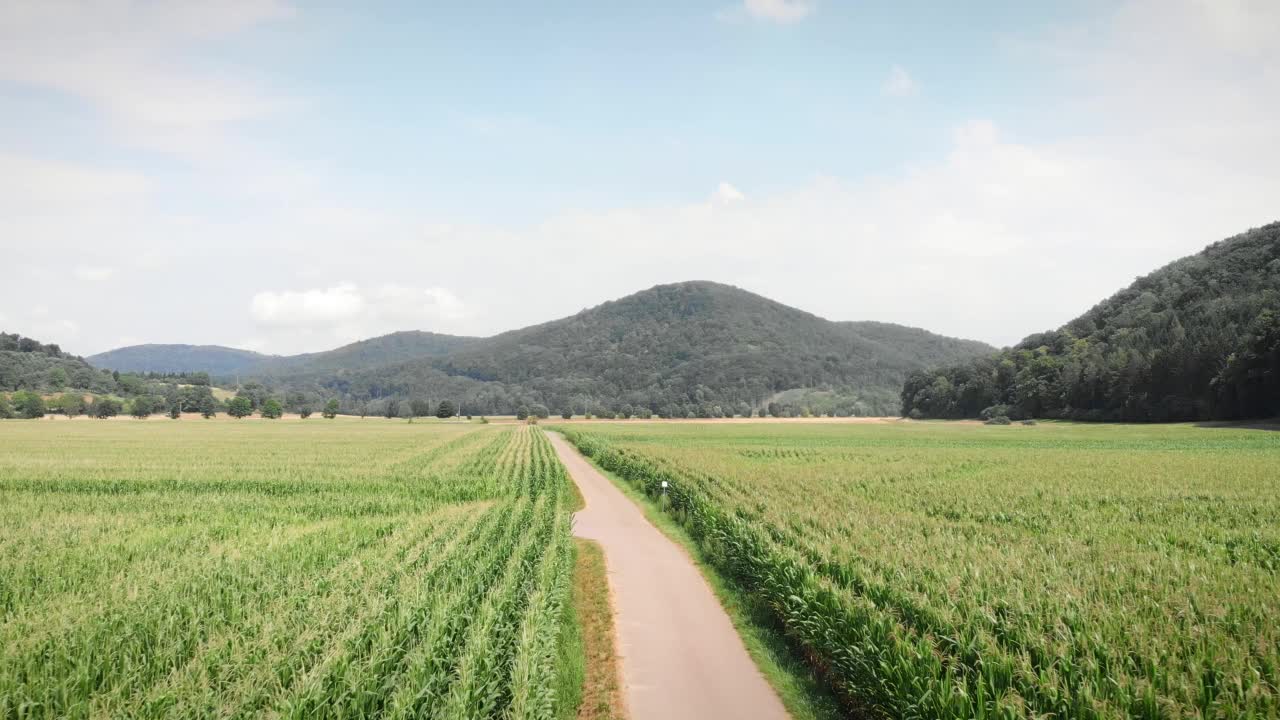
(938, 570)
(306, 570)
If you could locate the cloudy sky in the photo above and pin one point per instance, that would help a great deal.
(292, 176)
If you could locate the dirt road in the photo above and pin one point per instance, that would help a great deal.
(681, 657)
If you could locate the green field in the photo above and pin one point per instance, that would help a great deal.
(306, 570)
(957, 570)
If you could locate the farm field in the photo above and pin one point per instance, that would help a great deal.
(307, 570)
(944, 570)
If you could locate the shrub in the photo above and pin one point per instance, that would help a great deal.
(998, 420)
(995, 411)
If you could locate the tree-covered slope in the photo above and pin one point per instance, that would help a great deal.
(1194, 340)
(686, 347)
(383, 350)
(28, 364)
(212, 359)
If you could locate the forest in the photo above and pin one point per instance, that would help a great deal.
(1198, 339)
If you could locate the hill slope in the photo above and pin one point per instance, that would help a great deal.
(686, 348)
(1194, 340)
(383, 350)
(27, 364)
(213, 359)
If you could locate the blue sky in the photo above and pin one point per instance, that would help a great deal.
(292, 176)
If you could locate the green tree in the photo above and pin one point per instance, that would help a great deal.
(240, 407)
(419, 407)
(271, 409)
(540, 411)
(104, 407)
(330, 409)
(57, 378)
(28, 405)
(566, 413)
(304, 412)
(175, 409)
(392, 408)
(446, 409)
(208, 407)
(6, 410)
(141, 407)
(522, 413)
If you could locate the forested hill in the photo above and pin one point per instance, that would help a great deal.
(213, 359)
(1197, 339)
(384, 350)
(684, 349)
(228, 362)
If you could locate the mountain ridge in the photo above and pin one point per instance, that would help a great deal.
(690, 347)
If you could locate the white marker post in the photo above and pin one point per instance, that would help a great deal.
(664, 488)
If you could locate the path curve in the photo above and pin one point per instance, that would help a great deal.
(680, 655)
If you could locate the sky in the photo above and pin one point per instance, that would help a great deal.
(293, 176)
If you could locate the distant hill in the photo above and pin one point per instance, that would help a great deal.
(1194, 340)
(681, 349)
(386, 349)
(221, 361)
(686, 347)
(213, 359)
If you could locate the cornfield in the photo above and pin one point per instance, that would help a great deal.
(962, 571)
(304, 570)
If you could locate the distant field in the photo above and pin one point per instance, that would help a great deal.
(955, 570)
(316, 569)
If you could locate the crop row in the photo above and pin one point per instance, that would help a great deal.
(181, 589)
(937, 576)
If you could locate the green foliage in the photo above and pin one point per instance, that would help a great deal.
(310, 581)
(998, 420)
(446, 409)
(175, 410)
(6, 408)
(330, 409)
(522, 413)
(141, 407)
(1198, 339)
(240, 407)
(948, 571)
(28, 405)
(207, 407)
(271, 409)
(103, 408)
(304, 412)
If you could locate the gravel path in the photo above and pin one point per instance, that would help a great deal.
(680, 655)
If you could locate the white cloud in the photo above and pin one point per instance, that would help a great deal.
(320, 318)
(778, 11)
(899, 83)
(727, 194)
(91, 273)
(307, 308)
